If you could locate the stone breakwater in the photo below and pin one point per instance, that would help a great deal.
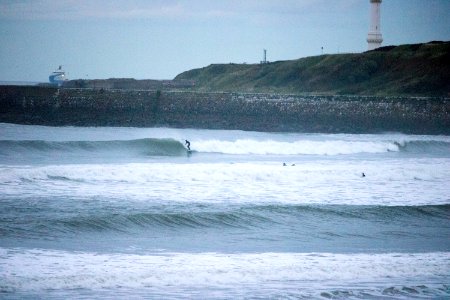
(259, 112)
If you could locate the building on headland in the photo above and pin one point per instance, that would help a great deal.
(374, 38)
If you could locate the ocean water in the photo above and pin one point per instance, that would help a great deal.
(129, 213)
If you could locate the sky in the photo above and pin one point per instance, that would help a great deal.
(158, 39)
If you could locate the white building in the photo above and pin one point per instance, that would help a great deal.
(374, 38)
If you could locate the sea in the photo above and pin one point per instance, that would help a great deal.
(130, 213)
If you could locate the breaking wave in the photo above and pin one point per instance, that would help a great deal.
(264, 217)
(172, 147)
(228, 275)
(144, 147)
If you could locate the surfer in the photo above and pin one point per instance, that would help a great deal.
(188, 145)
(363, 175)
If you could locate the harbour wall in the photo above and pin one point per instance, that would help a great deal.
(259, 112)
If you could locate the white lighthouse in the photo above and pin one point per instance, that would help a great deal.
(374, 38)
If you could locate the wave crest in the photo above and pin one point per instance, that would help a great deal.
(145, 147)
(171, 147)
(302, 147)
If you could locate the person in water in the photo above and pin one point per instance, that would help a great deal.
(188, 145)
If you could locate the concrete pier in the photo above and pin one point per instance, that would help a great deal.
(258, 112)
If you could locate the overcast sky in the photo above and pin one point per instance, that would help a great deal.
(159, 39)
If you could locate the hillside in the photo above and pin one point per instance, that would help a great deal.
(418, 69)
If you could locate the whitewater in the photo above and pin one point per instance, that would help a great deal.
(116, 212)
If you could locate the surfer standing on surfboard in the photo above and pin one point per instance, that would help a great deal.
(188, 145)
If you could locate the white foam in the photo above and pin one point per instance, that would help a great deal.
(226, 141)
(299, 147)
(392, 182)
(25, 270)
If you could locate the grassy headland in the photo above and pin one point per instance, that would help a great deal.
(418, 70)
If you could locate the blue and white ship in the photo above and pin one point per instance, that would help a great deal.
(58, 77)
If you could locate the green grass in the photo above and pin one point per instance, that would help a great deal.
(418, 69)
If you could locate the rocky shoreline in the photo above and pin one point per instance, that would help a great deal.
(259, 112)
